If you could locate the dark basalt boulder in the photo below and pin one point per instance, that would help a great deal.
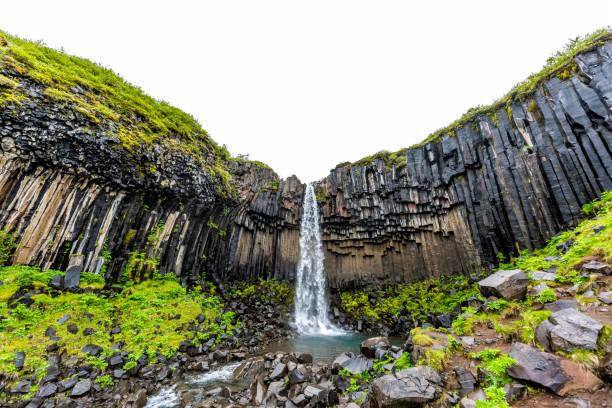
(81, 388)
(46, 390)
(573, 330)
(550, 371)
(368, 347)
(596, 267)
(506, 284)
(22, 388)
(19, 360)
(92, 350)
(466, 380)
(413, 386)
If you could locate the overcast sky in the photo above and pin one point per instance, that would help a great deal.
(304, 85)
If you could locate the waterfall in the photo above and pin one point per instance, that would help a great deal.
(310, 292)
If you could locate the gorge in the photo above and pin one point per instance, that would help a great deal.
(127, 229)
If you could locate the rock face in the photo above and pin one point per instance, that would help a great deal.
(413, 386)
(550, 371)
(509, 284)
(514, 175)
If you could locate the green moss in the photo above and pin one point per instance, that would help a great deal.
(150, 315)
(417, 299)
(99, 94)
(8, 244)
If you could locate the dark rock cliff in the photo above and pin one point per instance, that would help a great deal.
(67, 188)
(513, 178)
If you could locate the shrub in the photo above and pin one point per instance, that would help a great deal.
(7, 246)
(547, 296)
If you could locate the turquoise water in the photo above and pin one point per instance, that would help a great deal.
(323, 349)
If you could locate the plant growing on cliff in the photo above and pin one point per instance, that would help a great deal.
(8, 243)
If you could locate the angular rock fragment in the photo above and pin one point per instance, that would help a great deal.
(573, 330)
(506, 284)
(409, 387)
(550, 371)
(368, 347)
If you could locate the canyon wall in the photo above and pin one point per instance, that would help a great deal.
(73, 195)
(512, 177)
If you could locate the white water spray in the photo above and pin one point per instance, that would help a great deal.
(310, 294)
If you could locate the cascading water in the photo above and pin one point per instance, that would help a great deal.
(310, 293)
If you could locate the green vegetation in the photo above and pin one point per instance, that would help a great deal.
(494, 363)
(7, 246)
(547, 296)
(560, 65)
(584, 243)
(264, 290)
(99, 94)
(417, 299)
(153, 316)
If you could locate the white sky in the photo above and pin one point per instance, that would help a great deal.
(304, 85)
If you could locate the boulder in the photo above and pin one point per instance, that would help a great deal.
(596, 267)
(46, 390)
(368, 347)
(304, 358)
(573, 330)
(357, 365)
(19, 360)
(506, 284)
(409, 387)
(465, 379)
(73, 273)
(279, 371)
(297, 376)
(542, 276)
(81, 388)
(92, 349)
(550, 371)
(605, 297)
(57, 282)
(561, 304)
(542, 334)
(22, 388)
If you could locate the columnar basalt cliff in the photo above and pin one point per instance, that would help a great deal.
(508, 179)
(75, 188)
(68, 191)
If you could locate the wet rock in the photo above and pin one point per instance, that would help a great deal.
(506, 284)
(258, 392)
(311, 391)
(50, 332)
(368, 347)
(299, 400)
(596, 267)
(47, 390)
(21, 388)
(412, 386)
(342, 383)
(573, 330)
(559, 375)
(19, 360)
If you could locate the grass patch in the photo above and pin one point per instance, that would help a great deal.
(153, 317)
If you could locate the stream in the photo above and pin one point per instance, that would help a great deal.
(323, 349)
